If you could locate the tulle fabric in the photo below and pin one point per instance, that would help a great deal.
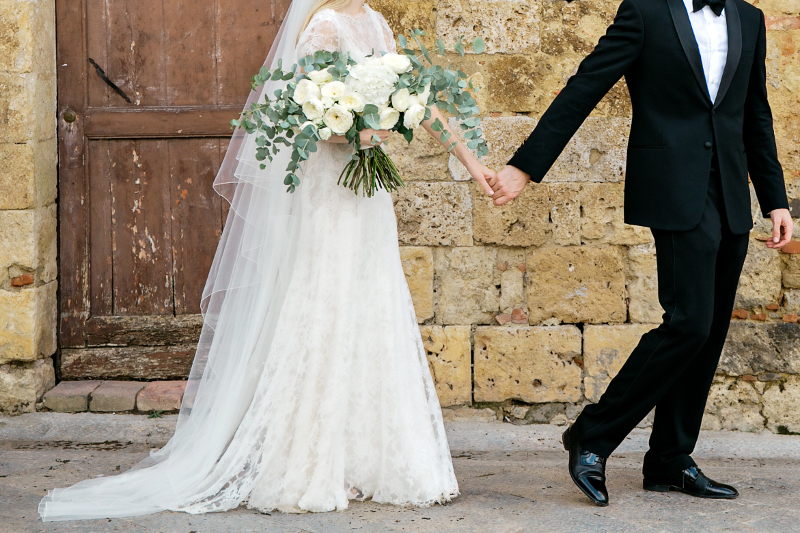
(310, 378)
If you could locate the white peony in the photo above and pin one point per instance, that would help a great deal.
(325, 133)
(328, 102)
(398, 63)
(389, 118)
(339, 119)
(333, 90)
(414, 116)
(425, 95)
(373, 80)
(400, 100)
(313, 109)
(353, 101)
(320, 77)
(305, 91)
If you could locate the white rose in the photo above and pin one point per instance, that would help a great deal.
(398, 63)
(333, 90)
(327, 102)
(339, 119)
(313, 109)
(389, 118)
(353, 101)
(400, 100)
(320, 77)
(305, 91)
(374, 81)
(425, 95)
(414, 100)
(414, 116)
(325, 134)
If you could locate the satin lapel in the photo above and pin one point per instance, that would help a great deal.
(734, 49)
(686, 35)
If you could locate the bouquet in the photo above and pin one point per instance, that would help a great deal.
(331, 94)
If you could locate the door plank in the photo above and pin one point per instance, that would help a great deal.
(143, 330)
(161, 122)
(190, 65)
(135, 362)
(101, 230)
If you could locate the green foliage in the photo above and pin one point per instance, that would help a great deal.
(155, 414)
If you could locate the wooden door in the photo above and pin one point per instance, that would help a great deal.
(139, 220)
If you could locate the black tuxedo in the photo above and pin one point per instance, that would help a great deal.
(688, 161)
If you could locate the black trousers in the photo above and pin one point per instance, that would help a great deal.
(673, 366)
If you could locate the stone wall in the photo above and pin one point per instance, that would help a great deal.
(551, 293)
(28, 159)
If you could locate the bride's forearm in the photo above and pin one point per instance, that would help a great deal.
(461, 152)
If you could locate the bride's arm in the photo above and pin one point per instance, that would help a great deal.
(478, 171)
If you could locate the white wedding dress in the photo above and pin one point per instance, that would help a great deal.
(334, 399)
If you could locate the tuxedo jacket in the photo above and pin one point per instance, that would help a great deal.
(676, 128)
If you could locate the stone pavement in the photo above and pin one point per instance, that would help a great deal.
(512, 480)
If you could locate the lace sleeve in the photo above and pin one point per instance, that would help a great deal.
(388, 35)
(321, 34)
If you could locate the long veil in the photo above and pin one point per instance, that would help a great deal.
(241, 303)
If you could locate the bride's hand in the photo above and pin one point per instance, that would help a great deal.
(366, 137)
(482, 175)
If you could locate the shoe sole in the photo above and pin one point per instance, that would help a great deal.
(565, 442)
(660, 487)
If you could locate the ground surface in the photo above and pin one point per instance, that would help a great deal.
(512, 480)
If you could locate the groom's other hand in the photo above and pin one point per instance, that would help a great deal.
(782, 227)
(508, 184)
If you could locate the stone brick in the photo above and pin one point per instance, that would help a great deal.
(503, 136)
(733, 405)
(449, 352)
(782, 406)
(605, 350)
(23, 385)
(523, 222)
(507, 26)
(760, 283)
(466, 285)
(28, 174)
(28, 243)
(115, 396)
(530, 364)
(70, 396)
(28, 323)
(791, 271)
(409, 15)
(16, 107)
(791, 302)
(512, 281)
(596, 152)
(755, 348)
(434, 214)
(641, 277)
(565, 213)
(425, 159)
(576, 284)
(418, 267)
(575, 27)
(161, 396)
(602, 216)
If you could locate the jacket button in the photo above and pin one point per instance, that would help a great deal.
(709, 144)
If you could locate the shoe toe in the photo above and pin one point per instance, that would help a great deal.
(595, 488)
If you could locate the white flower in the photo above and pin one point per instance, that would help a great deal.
(400, 100)
(414, 100)
(339, 119)
(333, 90)
(373, 80)
(327, 102)
(304, 125)
(325, 134)
(389, 118)
(425, 95)
(414, 116)
(398, 63)
(305, 91)
(320, 77)
(313, 109)
(353, 101)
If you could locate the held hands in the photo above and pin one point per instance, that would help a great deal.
(508, 184)
(782, 227)
(482, 175)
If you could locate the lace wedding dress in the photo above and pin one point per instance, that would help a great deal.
(333, 400)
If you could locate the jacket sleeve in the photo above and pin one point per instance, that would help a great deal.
(759, 136)
(614, 54)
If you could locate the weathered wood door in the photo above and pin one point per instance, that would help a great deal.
(139, 221)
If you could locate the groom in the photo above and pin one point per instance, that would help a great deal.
(701, 121)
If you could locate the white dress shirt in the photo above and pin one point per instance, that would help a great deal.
(711, 34)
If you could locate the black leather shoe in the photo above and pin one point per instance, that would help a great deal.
(694, 483)
(587, 470)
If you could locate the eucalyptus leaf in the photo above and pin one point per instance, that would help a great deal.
(478, 46)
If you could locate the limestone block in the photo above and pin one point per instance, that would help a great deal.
(23, 385)
(782, 406)
(512, 279)
(28, 323)
(434, 214)
(530, 364)
(602, 216)
(503, 136)
(641, 279)
(754, 348)
(791, 302)
(596, 152)
(28, 242)
(783, 71)
(450, 361)
(466, 285)
(787, 138)
(16, 107)
(70, 396)
(779, 7)
(760, 223)
(575, 27)
(418, 267)
(605, 350)
(733, 405)
(507, 26)
(161, 396)
(576, 284)
(115, 396)
(425, 159)
(760, 283)
(791, 271)
(565, 213)
(518, 84)
(409, 15)
(523, 222)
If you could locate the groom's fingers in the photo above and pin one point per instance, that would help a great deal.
(486, 188)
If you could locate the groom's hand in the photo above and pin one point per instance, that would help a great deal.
(508, 184)
(782, 227)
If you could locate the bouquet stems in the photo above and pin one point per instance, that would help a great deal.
(370, 170)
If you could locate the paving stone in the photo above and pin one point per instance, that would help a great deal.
(70, 396)
(161, 396)
(115, 396)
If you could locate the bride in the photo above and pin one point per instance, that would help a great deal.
(310, 386)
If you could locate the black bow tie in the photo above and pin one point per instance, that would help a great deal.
(716, 5)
